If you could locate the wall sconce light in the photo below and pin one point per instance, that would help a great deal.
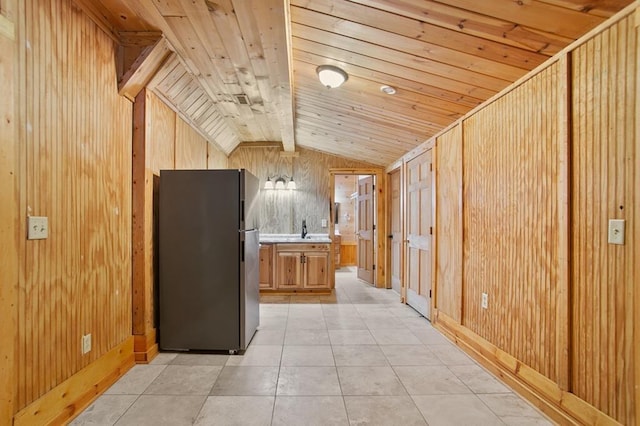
(280, 182)
(330, 76)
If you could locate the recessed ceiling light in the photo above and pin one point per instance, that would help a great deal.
(388, 90)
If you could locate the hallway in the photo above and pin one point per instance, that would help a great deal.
(356, 358)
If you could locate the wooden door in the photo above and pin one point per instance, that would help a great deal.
(289, 270)
(365, 229)
(395, 232)
(419, 229)
(316, 265)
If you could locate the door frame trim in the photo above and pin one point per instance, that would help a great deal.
(380, 244)
(396, 168)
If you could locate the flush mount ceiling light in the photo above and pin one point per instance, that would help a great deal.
(330, 76)
(388, 90)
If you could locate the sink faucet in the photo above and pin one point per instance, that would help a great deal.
(304, 228)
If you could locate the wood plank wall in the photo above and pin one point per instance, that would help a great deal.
(8, 212)
(191, 148)
(75, 148)
(449, 222)
(173, 144)
(216, 159)
(282, 212)
(544, 167)
(604, 125)
(160, 121)
(510, 220)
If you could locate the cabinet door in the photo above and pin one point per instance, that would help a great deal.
(266, 266)
(316, 265)
(289, 270)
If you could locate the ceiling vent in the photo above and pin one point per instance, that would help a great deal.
(242, 99)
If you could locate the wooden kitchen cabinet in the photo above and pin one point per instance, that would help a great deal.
(288, 270)
(316, 269)
(266, 266)
(302, 267)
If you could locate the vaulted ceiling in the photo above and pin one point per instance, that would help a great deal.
(244, 71)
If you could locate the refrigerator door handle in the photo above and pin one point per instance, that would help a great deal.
(242, 252)
(242, 211)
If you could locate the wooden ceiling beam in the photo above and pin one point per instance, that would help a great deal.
(272, 18)
(143, 69)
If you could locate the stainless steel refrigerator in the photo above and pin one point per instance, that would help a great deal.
(208, 259)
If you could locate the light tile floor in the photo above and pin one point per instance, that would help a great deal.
(358, 357)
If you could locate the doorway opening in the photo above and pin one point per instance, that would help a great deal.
(354, 226)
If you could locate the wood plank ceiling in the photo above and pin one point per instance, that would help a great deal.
(244, 70)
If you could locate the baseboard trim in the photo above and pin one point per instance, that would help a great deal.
(145, 347)
(69, 398)
(562, 406)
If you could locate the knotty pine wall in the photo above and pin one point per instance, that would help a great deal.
(449, 222)
(282, 212)
(162, 140)
(75, 168)
(9, 211)
(511, 219)
(535, 175)
(604, 161)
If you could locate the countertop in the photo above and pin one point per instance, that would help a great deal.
(294, 238)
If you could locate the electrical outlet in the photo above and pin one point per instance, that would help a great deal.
(37, 227)
(485, 301)
(323, 223)
(86, 343)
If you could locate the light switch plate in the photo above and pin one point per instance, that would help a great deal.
(485, 301)
(37, 227)
(324, 223)
(86, 343)
(616, 231)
